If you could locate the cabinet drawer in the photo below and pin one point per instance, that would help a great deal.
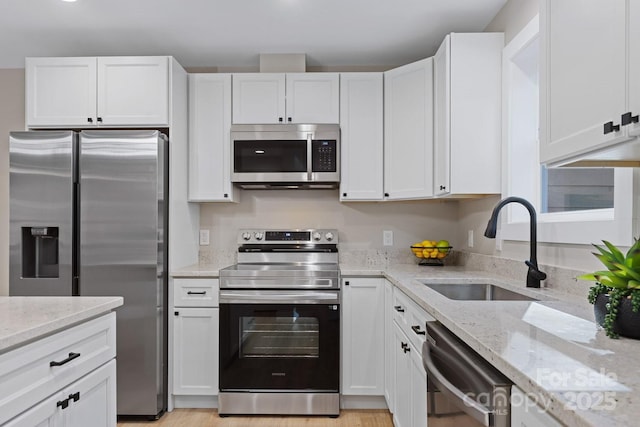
(412, 320)
(400, 307)
(416, 324)
(196, 292)
(35, 371)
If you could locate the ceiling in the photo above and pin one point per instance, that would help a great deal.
(233, 33)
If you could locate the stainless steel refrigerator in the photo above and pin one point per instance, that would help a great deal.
(88, 216)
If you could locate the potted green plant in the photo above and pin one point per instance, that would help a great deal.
(616, 293)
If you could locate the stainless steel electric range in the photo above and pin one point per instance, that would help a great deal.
(280, 324)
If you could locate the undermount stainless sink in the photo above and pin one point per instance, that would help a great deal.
(476, 292)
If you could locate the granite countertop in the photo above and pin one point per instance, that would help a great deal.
(198, 270)
(24, 319)
(551, 348)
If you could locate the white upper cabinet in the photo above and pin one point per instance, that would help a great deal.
(258, 98)
(634, 67)
(60, 91)
(361, 136)
(90, 91)
(267, 98)
(209, 139)
(589, 80)
(408, 134)
(467, 93)
(313, 98)
(133, 90)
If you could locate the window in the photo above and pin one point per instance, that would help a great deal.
(574, 205)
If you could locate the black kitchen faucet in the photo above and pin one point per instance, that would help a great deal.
(534, 275)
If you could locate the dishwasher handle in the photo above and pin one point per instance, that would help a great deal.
(479, 412)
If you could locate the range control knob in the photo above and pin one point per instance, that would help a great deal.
(258, 235)
(246, 235)
(329, 236)
(317, 236)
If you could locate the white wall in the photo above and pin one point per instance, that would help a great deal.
(513, 16)
(11, 118)
(360, 224)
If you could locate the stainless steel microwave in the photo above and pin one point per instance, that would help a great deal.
(285, 156)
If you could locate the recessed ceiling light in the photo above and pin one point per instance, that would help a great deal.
(69, 1)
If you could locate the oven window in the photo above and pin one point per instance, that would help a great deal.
(285, 337)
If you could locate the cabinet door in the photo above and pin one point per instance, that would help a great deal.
(361, 136)
(408, 136)
(195, 351)
(583, 75)
(442, 118)
(389, 348)
(258, 98)
(467, 112)
(634, 64)
(60, 91)
(363, 336)
(209, 138)
(44, 414)
(418, 389)
(133, 90)
(313, 98)
(92, 399)
(402, 412)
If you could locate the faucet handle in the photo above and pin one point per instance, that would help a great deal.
(535, 272)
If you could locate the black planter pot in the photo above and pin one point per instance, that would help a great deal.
(627, 323)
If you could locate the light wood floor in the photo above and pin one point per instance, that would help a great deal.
(210, 418)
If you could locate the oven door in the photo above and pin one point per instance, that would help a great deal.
(279, 341)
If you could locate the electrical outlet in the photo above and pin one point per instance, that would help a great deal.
(387, 238)
(470, 238)
(204, 237)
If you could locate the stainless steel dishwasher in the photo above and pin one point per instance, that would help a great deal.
(463, 389)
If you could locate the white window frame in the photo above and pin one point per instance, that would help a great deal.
(617, 225)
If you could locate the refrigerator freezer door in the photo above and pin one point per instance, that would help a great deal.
(122, 194)
(41, 192)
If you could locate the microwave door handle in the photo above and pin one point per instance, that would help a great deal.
(309, 156)
(471, 407)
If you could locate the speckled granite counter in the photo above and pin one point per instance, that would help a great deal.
(550, 348)
(199, 270)
(23, 319)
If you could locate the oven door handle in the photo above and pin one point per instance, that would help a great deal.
(272, 282)
(479, 412)
(279, 297)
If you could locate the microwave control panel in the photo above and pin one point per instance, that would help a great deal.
(324, 155)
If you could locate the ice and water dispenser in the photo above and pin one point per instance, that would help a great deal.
(40, 252)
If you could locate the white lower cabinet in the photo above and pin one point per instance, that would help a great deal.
(418, 389)
(389, 348)
(195, 351)
(66, 379)
(526, 413)
(402, 371)
(408, 392)
(195, 330)
(363, 336)
(90, 401)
